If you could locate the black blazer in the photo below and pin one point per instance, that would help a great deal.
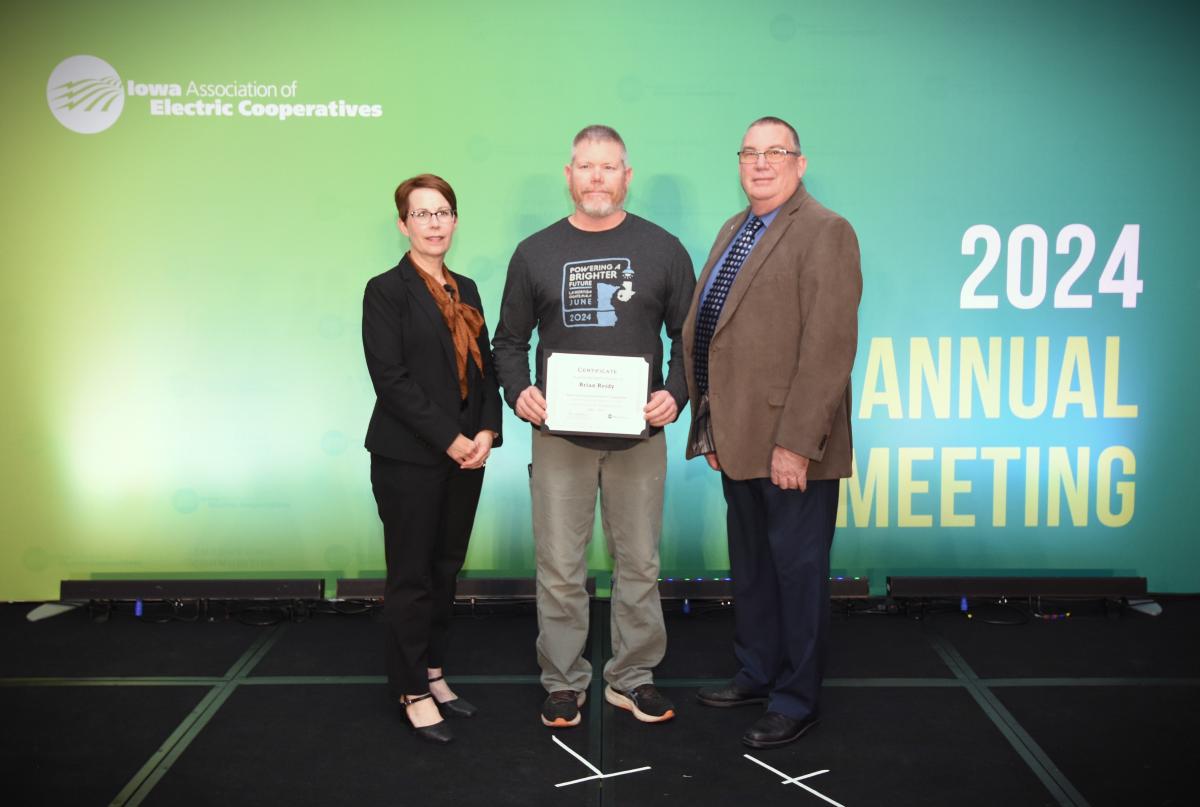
(410, 356)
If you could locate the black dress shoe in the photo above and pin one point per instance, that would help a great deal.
(729, 695)
(456, 707)
(774, 730)
(438, 733)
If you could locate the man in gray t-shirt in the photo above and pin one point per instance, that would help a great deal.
(600, 281)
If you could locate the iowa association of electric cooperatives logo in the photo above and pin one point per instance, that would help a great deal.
(85, 94)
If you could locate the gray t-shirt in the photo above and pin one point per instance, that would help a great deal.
(599, 292)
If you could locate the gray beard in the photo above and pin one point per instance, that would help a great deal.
(598, 211)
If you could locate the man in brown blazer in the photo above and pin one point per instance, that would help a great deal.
(769, 344)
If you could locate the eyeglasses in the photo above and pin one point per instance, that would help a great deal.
(428, 216)
(750, 156)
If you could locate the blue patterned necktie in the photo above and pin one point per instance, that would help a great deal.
(714, 301)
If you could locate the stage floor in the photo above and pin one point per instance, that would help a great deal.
(1095, 709)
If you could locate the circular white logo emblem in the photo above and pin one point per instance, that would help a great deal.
(85, 94)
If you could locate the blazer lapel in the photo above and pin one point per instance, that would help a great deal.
(718, 249)
(766, 243)
(424, 301)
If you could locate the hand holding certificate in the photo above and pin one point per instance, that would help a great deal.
(600, 395)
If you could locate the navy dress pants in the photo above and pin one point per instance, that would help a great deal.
(779, 543)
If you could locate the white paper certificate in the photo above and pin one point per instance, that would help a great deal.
(593, 394)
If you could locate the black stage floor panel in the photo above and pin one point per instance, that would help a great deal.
(347, 745)
(1120, 745)
(881, 646)
(328, 644)
(499, 642)
(880, 746)
(495, 639)
(72, 644)
(79, 745)
(1089, 643)
(700, 645)
(1095, 709)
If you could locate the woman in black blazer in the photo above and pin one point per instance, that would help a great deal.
(436, 418)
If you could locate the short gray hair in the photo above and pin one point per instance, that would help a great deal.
(771, 119)
(600, 133)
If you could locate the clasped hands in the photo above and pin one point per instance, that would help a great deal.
(660, 410)
(789, 470)
(471, 454)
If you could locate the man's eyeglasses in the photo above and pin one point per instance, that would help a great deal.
(750, 156)
(428, 216)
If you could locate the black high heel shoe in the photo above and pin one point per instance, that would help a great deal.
(439, 732)
(456, 707)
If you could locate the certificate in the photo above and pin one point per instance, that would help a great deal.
(596, 395)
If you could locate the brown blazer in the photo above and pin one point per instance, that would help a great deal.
(780, 358)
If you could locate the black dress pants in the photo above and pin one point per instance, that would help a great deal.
(427, 514)
(779, 542)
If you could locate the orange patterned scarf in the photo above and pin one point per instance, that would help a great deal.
(464, 322)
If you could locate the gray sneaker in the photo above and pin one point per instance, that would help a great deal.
(646, 702)
(561, 709)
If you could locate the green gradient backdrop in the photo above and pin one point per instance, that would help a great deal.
(184, 391)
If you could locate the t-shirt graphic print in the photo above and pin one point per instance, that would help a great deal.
(593, 291)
